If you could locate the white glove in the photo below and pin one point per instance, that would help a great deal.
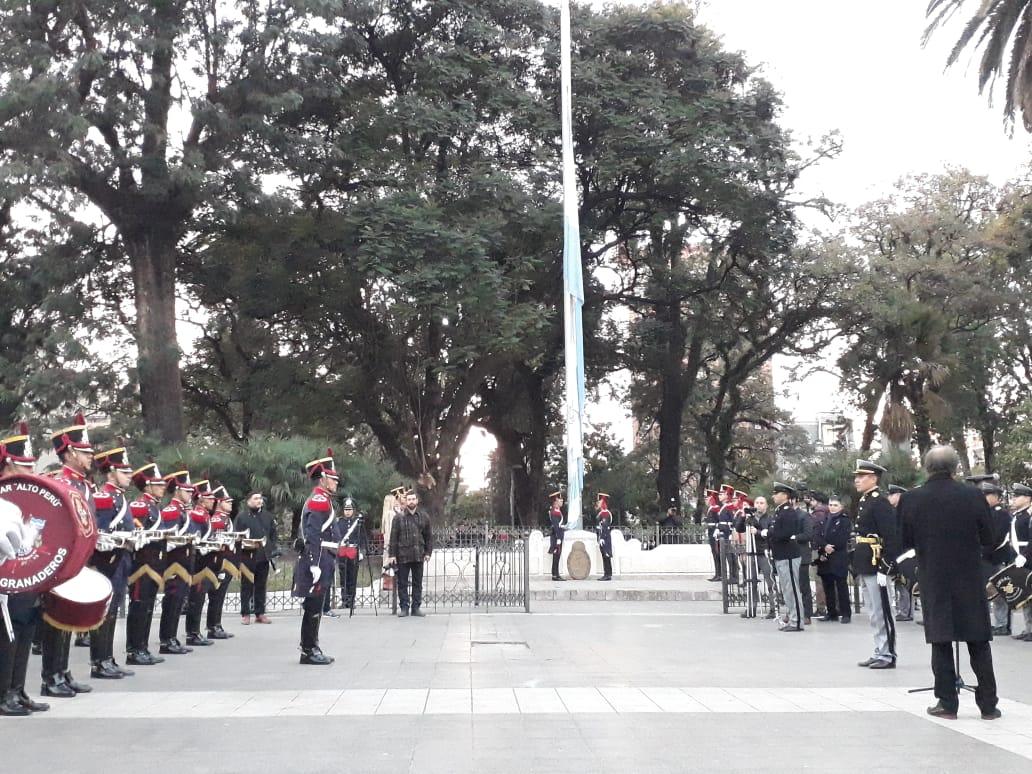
(883, 579)
(1020, 561)
(763, 533)
(14, 533)
(316, 574)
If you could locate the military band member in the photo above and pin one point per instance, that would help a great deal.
(179, 564)
(877, 546)
(556, 532)
(784, 549)
(904, 599)
(255, 563)
(23, 608)
(72, 446)
(604, 531)
(226, 564)
(352, 533)
(1000, 554)
(1021, 499)
(113, 517)
(148, 567)
(315, 562)
(204, 578)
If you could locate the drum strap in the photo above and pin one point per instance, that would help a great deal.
(8, 626)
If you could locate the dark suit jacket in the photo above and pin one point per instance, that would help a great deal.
(948, 523)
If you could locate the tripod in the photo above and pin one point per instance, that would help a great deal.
(344, 569)
(961, 685)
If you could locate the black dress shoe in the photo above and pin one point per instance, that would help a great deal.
(1001, 631)
(125, 672)
(172, 647)
(866, 663)
(992, 715)
(12, 707)
(316, 657)
(883, 665)
(939, 711)
(106, 670)
(825, 618)
(142, 658)
(82, 640)
(606, 578)
(37, 650)
(901, 617)
(31, 704)
(714, 579)
(331, 614)
(56, 688)
(558, 578)
(418, 613)
(403, 613)
(218, 633)
(846, 619)
(75, 685)
(197, 641)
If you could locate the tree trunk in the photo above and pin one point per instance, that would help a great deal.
(960, 444)
(988, 434)
(922, 423)
(670, 415)
(154, 282)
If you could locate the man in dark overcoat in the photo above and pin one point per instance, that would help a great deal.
(947, 524)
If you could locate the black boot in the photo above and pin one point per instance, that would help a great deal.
(12, 707)
(315, 657)
(55, 687)
(218, 633)
(106, 670)
(31, 704)
(82, 640)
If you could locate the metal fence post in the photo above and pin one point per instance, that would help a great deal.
(476, 576)
(722, 553)
(526, 573)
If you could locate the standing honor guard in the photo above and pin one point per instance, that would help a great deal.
(1000, 554)
(604, 530)
(23, 608)
(724, 527)
(556, 532)
(146, 575)
(710, 520)
(112, 557)
(784, 548)
(877, 546)
(1021, 498)
(353, 546)
(204, 578)
(226, 564)
(315, 562)
(73, 448)
(178, 572)
(258, 550)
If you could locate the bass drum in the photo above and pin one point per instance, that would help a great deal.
(80, 604)
(60, 529)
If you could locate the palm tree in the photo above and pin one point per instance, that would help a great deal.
(994, 25)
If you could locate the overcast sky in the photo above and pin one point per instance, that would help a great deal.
(858, 68)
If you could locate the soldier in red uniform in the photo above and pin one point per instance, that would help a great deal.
(16, 457)
(315, 562)
(113, 517)
(73, 448)
(556, 532)
(204, 577)
(145, 578)
(178, 572)
(226, 565)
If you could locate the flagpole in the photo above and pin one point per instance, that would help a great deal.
(573, 289)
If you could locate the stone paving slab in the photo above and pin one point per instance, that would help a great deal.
(587, 687)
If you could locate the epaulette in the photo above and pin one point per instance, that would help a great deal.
(138, 509)
(199, 516)
(170, 513)
(103, 500)
(318, 502)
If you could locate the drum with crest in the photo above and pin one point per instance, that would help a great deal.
(1014, 584)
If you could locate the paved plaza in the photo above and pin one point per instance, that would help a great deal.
(573, 686)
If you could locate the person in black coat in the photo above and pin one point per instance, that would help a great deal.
(1000, 554)
(805, 537)
(833, 562)
(947, 524)
(556, 532)
(256, 563)
(784, 549)
(1021, 499)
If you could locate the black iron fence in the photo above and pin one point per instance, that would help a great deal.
(749, 582)
(652, 535)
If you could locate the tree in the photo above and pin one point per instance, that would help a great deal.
(138, 114)
(996, 24)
